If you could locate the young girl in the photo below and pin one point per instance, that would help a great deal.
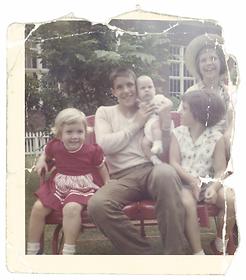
(198, 151)
(75, 179)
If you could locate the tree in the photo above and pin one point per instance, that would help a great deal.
(32, 98)
(80, 57)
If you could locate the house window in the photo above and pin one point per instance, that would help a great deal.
(34, 62)
(179, 77)
(44, 64)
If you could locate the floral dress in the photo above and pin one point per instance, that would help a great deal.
(197, 157)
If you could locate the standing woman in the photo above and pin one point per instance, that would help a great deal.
(205, 60)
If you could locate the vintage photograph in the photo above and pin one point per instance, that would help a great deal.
(128, 130)
(124, 136)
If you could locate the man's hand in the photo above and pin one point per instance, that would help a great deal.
(144, 112)
(164, 111)
(165, 107)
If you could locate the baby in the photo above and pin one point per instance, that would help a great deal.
(152, 142)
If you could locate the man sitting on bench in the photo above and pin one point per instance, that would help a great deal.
(119, 131)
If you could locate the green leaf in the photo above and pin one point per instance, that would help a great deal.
(146, 58)
(109, 55)
(80, 57)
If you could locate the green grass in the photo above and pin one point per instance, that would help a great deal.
(91, 241)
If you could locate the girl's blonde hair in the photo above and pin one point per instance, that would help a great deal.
(68, 116)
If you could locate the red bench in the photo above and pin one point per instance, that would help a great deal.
(141, 212)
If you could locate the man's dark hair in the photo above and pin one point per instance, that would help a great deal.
(121, 72)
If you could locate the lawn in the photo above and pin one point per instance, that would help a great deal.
(92, 242)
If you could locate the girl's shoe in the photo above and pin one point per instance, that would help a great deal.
(214, 249)
(40, 252)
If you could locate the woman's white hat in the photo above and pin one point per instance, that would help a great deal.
(194, 48)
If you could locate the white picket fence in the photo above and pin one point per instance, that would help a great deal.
(35, 141)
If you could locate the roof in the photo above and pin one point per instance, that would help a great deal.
(140, 14)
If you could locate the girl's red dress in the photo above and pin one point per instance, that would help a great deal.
(76, 177)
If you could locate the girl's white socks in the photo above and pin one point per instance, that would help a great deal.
(219, 244)
(68, 249)
(33, 248)
(200, 253)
